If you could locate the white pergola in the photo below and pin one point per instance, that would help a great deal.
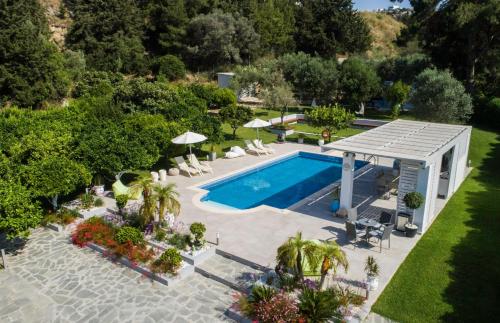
(420, 147)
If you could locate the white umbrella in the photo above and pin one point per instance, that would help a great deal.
(257, 123)
(189, 138)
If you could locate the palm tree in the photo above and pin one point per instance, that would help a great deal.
(291, 253)
(148, 208)
(333, 256)
(167, 200)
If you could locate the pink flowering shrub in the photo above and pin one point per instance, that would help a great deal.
(280, 308)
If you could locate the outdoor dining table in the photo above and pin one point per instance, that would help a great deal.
(369, 224)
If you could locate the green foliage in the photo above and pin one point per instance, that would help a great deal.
(404, 68)
(109, 33)
(311, 77)
(97, 83)
(160, 235)
(397, 94)
(180, 241)
(87, 200)
(18, 212)
(261, 293)
(359, 81)
(439, 97)
(98, 202)
(169, 67)
(129, 234)
(220, 38)
(371, 267)
(165, 26)
(198, 230)
(209, 126)
(413, 200)
(331, 118)
(31, 68)
(170, 262)
(236, 116)
(121, 201)
(330, 27)
(319, 306)
(223, 98)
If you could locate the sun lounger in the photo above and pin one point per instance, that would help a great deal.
(202, 166)
(184, 167)
(234, 152)
(258, 143)
(251, 148)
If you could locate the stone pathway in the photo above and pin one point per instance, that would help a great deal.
(51, 280)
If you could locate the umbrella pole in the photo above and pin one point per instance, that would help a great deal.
(258, 134)
(190, 152)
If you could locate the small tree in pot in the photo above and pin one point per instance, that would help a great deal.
(372, 271)
(413, 201)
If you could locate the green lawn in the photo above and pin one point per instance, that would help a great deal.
(453, 273)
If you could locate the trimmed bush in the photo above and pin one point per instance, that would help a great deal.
(198, 230)
(126, 234)
(169, 262)
(121, 201)
(98, 202)
(180, 241)
(413, 200)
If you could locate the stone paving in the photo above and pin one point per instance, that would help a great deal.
(51, 280)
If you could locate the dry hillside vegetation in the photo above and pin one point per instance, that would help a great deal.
(384, 30)
(58, 26)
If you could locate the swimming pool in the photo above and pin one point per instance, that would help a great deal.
(279, 184)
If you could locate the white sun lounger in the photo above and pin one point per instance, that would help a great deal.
(202, 166)
(234, 152)
(258, 143)
(251, 148)
(184, 167)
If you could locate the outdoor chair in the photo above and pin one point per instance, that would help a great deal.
(251, 148)
(385, 218)
(384, 233)
(260, 145)
(184, 167)
(202, 166)
(354, 234)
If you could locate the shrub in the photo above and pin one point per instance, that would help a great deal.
(127, 233)
(160, 235)
(261, 293)
(180, 241)
(169, 67)
(98, 202)
(94, 230)
(413, 200)
(318, 306)
(169, 262)
(223, 98)
(134, 253)
(121, 202)
(280, 308)
(198, 230)
(68, 216)
(87, 200)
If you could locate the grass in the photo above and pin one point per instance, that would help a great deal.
(453, 273)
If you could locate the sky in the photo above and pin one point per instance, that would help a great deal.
(374, 4)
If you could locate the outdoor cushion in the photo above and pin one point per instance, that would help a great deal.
(120, 189)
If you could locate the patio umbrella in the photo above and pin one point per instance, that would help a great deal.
(189, 138)
(257, 123)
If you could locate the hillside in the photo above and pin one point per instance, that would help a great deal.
(58, 26)
(384, 29)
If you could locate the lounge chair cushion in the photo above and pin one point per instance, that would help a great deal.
(231, 154)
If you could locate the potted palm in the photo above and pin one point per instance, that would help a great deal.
(98, 185)
(413, 201)
(372, 271)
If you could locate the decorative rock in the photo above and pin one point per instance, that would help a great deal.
(342, 213)
(173, 172)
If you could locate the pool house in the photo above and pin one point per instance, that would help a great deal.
(431, 157)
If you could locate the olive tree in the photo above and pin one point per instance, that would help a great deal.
(439, 97)
(236, 116)
(358, 81)
(397, 94)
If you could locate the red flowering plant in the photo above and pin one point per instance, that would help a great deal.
(134, 253)
(280, 308)
(93, 230)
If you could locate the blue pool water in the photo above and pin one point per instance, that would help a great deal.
(279, 184)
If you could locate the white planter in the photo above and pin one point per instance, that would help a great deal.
(371, 282)
(321, 142)
(98, 190)
(212, 156)
(300, 140)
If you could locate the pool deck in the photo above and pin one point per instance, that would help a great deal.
(255, 235)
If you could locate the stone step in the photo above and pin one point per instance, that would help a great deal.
(232, 273)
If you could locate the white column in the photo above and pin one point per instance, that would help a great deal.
(426, 187)
(347, 183)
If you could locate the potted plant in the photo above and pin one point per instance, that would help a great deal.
(336, 200)
(413, 201)
(212, 155)
(321, 141)
(98, 185)
(372, 271)
(300, 139)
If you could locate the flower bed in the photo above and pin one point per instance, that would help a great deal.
(126, 245)
(87, 206)
(192, 257)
